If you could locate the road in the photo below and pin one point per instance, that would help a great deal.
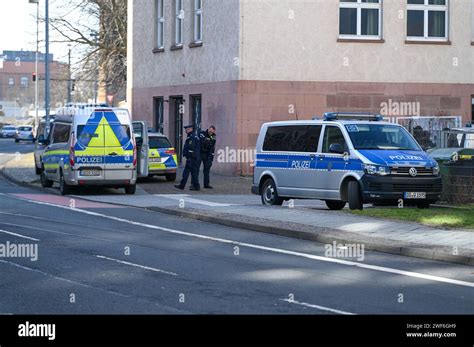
(102, 258)
(8, 149)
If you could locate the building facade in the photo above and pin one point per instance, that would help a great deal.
(236, 64)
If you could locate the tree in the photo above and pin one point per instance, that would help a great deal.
(100, 27)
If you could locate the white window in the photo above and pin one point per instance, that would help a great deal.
(11, 81)
(427, 20)
(160, 24)
(197, 21)
(360, 19)
(178, 22)
(24, 81)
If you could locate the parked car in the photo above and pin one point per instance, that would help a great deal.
(8, 131)
(346, 157)
(442, 155)
(24, 133)
(162, 159)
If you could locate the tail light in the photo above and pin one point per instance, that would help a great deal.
(170, 151)
(135, 156)
(72, 152)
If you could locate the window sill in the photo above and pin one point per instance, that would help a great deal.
(356, 40)
(195, 44)
(158, 50)
(176, 47)
(427, 42)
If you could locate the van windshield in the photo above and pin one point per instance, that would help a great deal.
(381, 136)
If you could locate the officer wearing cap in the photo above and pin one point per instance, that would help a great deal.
(191, 151)
(208, 147)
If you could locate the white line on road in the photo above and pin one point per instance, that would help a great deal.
(186, 198)
(265, 248)
(322, 308)
(137, 265)
(18, 235)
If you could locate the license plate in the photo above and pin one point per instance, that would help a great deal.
(90, 172)
(413, 195)
(155, 160)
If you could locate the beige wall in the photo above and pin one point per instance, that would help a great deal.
(275, 47)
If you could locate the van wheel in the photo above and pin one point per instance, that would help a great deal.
(45, 182)
(355, 196)
(130, 190)
(171, 177)
(269, 194)
(335, 205)
(37, 170)
(64, 188)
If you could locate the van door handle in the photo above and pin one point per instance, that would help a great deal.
(113, 154)
(312, 156)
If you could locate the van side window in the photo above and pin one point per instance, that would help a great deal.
(306, 138)
(333, 134)
(61, 133)
(278, 139)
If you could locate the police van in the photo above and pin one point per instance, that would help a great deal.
(343, 158)
(93, 145)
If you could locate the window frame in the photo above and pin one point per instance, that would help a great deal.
(426, 8)
(197, 18)
(178, 23)
(160, 24)
(323, 137)
(11, 82)
(359, 6)
(24, 81)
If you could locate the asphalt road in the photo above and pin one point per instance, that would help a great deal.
(104, 258)
(8, 149)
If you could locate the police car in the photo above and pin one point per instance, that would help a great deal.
(345, 157)
(162, 159)
(92, 145)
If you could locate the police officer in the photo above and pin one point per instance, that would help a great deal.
(208, 147)
(191, 151)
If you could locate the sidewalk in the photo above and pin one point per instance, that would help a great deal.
(308, 220)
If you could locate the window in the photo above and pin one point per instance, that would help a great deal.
(160, 24)
(159, 119)
(11, 81)
(333, 135)
(427, 20)
(178, 22)
(306, 138)
(196, 111)
(197, 21)
(61, 133)
(360, 19)
(24, 81)
(278, 139)
(159, 142)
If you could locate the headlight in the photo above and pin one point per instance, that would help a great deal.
(377, 170)
(436, 170)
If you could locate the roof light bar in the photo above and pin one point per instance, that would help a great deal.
(331, 116)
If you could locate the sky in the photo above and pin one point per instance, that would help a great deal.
(18, 27)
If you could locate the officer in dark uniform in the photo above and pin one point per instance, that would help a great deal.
(208, 147)
(191, 151)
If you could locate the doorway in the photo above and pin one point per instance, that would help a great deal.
(158, 108)
(176, 113)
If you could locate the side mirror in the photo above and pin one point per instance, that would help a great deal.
(336, 148)
(42, 140)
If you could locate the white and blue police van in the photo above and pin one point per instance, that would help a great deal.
(343, 158)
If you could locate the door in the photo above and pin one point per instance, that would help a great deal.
(331, 166)
(89, 149)
(176, 124)
(140, 130)
(57, 150)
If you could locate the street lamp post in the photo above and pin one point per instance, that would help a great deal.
(69, 79)
(36, 62)
(46, 65)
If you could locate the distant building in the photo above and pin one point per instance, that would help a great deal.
(16, 78)
(239, 63)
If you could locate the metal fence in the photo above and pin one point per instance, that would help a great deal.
(458, 182)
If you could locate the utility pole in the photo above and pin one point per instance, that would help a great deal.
(69, 80)
(47, 83)
(36, 63)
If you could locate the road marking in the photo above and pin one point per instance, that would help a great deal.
(322, 308)
(265, 248)
(63, 279)
(18, 235)
(137, 265)
(186, 198)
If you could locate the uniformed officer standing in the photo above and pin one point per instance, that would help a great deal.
(191, 151)
(208, 147)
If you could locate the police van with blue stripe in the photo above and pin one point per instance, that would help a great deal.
(343, 158)
(93, 145)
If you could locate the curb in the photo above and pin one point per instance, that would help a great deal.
(320, 236)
